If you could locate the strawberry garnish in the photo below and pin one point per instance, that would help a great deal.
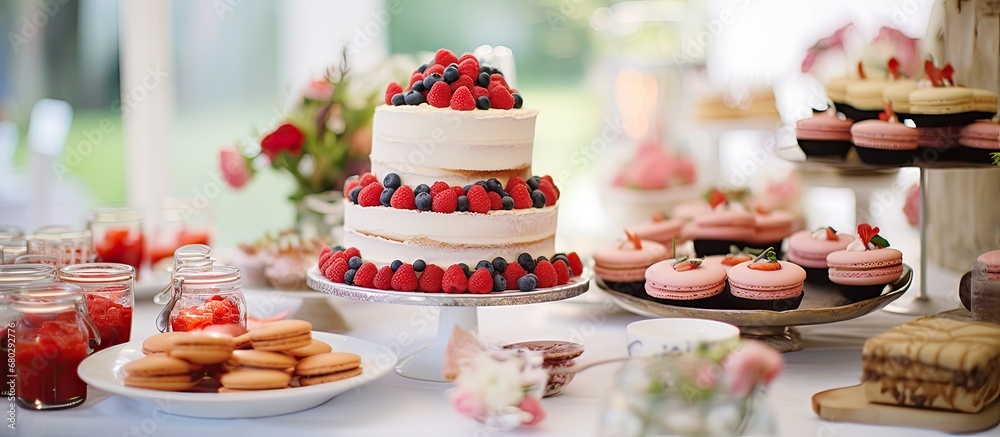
(365, 276)
(861, 70)
(549, 190)
(469, 67)
(831, 234)
(767, 260)
(462, 100)
(392, 90)
(462, 81)
(947, 73)
(370, 195)
(383, 279)
(575, 263)
(414, 78)
(403, 198)
(430, 279)
(498, 78)
(887, 114)
(478, 91)
(734, 259)
(445, 202)
(496, 202)
(716, 198)
(404, 279)
(350, 186)
(469, 56)
(894, 68)
(445, 57)
(659, 217)
(439, 95)
(512, 273)
(366, 179)
(439, 186)
(478, 200)
(521, 196)
(500, 98)
(634, 239)
(562, 271)
(336, 271)
(454, 280)
(436, 68)
(866, 232)
(481, 282)
(766, 266)
(546, 273)
(684, 264)
(352, 252)
(760, 209)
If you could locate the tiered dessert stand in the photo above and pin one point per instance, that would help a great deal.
(921, 304)
(456, 310)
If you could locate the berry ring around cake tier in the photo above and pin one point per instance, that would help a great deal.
(821, 304)
(456, 310)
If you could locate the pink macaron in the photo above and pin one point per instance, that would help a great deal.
(724, 226)
(665, 231)
(867, 265)
(809, 250)
(884, 143)
(622, 265)
(770, 230)
(979, 140)
(776, 287)
(824, 135)
(992, 262)
(688, 283)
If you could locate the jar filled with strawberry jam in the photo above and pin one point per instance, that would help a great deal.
(118, 235)
(108, 288)
(53, 334)
(207, 296)
(13, 277)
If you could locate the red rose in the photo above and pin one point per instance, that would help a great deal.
(286, 138)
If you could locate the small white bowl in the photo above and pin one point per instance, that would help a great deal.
(657, 336)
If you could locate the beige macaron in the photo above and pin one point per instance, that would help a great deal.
(316, 347)
(201, 348)
(306, 381)
(164, 383)
(158, 343)
(282, 335)
(262, 359)
(160, 365)
(323, 364)
(244, 378)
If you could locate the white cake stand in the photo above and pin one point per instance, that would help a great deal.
(456, 310)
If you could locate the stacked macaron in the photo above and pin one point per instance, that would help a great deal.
(277, 355)
(885, 141)
(765, 283)
(824, 135)
(660, 229)
(809, 250)
(686, 282)
(979, 141)
(622, 266)
(866, 266)
(984, 288)
(726, 224)
(556, 356)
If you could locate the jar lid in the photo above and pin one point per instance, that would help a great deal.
(18, 274)
(46, 298)
(91, 273)
(116, 213)
(217, 274)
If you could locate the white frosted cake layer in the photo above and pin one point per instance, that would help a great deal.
(423, 144)
(386, 234)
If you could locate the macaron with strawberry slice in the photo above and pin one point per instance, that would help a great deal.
(622, 266)
(866, 266)
(765, 283)
(686, 282)
(809, 250)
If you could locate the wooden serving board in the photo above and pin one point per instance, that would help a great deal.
(849, 404)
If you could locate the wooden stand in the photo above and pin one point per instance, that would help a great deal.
(849, 404)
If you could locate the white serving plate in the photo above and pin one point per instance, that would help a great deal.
(103, 370)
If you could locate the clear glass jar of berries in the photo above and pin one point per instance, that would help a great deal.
(53, 334)
(207, 296)
(109, 290)
(69, 245)
(118, 235)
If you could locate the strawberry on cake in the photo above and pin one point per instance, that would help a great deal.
(451, 204)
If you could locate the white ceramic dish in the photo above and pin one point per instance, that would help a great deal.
(103, 370)
(656, 336)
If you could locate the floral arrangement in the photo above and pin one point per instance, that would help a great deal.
(500, 388)
(870, 55)
(709, 391)
(325, 136)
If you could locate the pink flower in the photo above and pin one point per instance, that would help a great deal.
(532, 405)
(751, 364)
(912, 206)
(286, 138)
(686, 170)
(832, 42)
(468, 404)
(319, 90)
(234, 167)
(905, 50)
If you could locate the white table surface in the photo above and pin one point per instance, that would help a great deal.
(394, 405)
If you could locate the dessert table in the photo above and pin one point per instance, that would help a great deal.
(394, 405)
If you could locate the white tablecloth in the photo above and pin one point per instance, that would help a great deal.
(394, 405)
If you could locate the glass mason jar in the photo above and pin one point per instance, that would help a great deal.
(108, 288)
(70, 246)
(10, 232)
(11, 249)
(207, 296)
(37, 259)
(181, 222)
(12, 277)
(52, 336)
(118, 235)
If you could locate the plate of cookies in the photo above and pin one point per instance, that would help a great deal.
(279, 368)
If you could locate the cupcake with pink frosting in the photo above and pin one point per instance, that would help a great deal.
(622, 266)
(809, 250)
(867, 265)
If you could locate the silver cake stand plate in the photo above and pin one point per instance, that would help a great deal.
(456, 310)
(820, 304)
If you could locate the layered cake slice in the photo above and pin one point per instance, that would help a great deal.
(934, 362)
